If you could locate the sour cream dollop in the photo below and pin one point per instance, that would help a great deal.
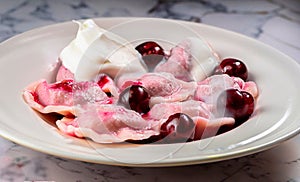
(95, 49)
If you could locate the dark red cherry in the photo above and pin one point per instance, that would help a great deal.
(178, 128)
(234, 67)
(237, 104)
(136, 98)
(148, 48)
(66, 85)
(151, 52)
(139, 99)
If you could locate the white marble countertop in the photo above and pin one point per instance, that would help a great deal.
(273, 22)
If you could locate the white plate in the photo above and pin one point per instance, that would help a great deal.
(30, 56)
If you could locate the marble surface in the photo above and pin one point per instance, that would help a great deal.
(273, 22)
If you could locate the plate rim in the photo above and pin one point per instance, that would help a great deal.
(180, 162)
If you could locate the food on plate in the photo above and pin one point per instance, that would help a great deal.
(111, 91)
(83, 56)
(234, 67)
